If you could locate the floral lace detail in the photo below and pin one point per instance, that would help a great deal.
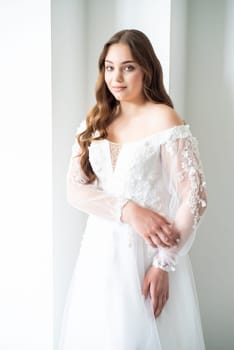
(191, 168)
(175, 133)
(162, 172)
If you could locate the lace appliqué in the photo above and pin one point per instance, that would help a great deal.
(191, 169)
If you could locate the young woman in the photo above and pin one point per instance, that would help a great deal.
(135, 169)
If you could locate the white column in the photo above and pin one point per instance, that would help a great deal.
(69, 83)
(100, 26)
(26, 316)
(153, 18)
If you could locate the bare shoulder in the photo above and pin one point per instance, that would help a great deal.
(168, 116)
(163, 117)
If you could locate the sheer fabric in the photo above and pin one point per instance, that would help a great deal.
(186, 183)
(105, 308)
(183, 177)
(88, 197)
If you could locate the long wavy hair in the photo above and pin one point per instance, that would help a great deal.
(106, 107)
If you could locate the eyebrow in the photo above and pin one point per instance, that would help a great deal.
(124, 62)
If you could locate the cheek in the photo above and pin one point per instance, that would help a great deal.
(107, 79)
(137, 80)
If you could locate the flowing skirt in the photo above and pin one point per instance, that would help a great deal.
(105, 308)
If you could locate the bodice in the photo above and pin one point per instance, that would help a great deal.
(135, 170)
(162, 172)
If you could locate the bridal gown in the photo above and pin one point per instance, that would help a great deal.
(105, 308)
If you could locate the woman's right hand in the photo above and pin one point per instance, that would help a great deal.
(153, 227)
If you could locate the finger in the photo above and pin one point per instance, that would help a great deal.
(170, 235)
(154, 298)
(145, 289)
(165, 298)
(150, 242)
(165, 240)
(168, 231)
(171, 232)
(155, 304)
(159, 307)
(163, 219)
(157, 241)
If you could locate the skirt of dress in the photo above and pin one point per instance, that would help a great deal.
(105, 308)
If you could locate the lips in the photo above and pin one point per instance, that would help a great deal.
(118, 88)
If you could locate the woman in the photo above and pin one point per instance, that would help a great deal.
(135, 169)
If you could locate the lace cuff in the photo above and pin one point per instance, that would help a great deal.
(166, 262)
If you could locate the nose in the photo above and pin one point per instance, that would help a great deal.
(117, 75)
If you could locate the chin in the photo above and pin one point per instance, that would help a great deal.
(119, 98)
(123, 97)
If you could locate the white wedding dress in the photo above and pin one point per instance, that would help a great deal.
(105, 308)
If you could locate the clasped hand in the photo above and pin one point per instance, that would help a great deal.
(153, 227)
(157, 231)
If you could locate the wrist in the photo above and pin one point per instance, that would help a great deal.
(165, 267)
(165, 260)
(159, 270)
(127, 211)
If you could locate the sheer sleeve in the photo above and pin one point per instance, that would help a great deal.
(88, 197)
(185, 180)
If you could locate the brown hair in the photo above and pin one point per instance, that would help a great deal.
(104, 111)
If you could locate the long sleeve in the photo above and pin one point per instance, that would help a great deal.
(185, 180)
(88, 197)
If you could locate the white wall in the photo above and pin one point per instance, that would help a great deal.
(210, 110)
(26, 312)
(202, 87)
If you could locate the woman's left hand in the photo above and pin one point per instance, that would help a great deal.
(156, 283)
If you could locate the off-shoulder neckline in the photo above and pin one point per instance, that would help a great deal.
(149, 137)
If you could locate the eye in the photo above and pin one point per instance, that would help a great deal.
(109, 68)
(129, 68)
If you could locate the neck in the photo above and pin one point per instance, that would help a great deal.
(131, 109)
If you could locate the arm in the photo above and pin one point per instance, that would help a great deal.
(184, 176)
(92, 200)
(87, 197)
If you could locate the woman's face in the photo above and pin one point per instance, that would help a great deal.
(123, 75)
